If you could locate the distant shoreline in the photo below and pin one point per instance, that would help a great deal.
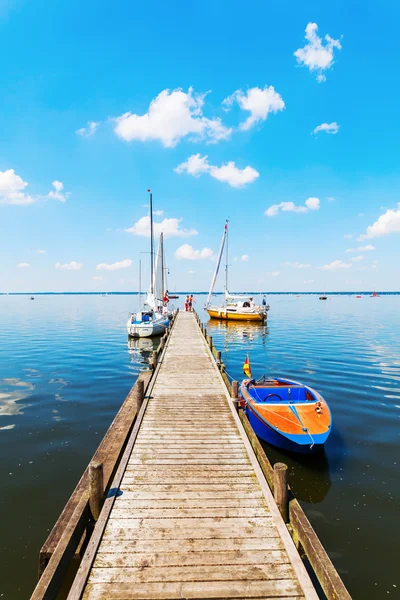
(353, 293)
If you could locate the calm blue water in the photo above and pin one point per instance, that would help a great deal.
(65, 369)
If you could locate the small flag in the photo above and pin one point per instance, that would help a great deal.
(246, 367)
(148, 190)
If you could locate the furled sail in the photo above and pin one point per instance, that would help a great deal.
(218, 264)
(155, 299)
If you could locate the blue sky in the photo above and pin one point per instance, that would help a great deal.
(208, 106)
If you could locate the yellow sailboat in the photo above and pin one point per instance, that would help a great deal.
(235, 307)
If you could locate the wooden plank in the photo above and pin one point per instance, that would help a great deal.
(286, 588)
(184, 533)
(236, 572)
(175, 559)
(151, 547)
(195, 502)
(115, 523)
(120, 512)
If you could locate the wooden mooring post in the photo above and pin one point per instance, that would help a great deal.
(281, 492)
(96, 488)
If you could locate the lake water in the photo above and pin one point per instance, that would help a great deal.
(66, 367)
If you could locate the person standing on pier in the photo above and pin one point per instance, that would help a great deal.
(187, 304)
(191, 301)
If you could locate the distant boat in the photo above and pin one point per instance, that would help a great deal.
(358, 296)
(236, 307)
(286, 414)
(32, 298)
(173, 296)
(375, 295)
(323, 297)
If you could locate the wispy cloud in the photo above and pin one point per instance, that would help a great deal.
(331, 128)
(169, 227)
(187, 252)
(297, 265)
(89, 130)
(243, 258)
(23, 265)
(336, 264)
(367, 248)
(122, 264)
(57, 193)
(316, 55)
(259, 102)
(309, 204)
(71, 266)
(228, 173)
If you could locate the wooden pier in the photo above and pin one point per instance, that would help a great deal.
(189, 512)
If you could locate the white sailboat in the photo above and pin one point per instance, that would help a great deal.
(236, 307)
(152, 319)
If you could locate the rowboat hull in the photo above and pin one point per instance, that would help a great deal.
(224, 315)
(287, 415)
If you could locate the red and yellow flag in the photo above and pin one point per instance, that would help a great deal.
(246, 367)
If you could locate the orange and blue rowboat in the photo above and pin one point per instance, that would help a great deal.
(286, 414)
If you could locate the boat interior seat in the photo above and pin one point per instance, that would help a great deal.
(280, 394)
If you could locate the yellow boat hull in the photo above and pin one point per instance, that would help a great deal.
(222, 315)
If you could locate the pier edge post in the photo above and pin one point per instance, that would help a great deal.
(96, 489)
(139, 395)
(210, 342)
(281, 492)
(235, 394)
(218, 358)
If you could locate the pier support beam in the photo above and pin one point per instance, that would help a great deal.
(281, 493)
(96, 489)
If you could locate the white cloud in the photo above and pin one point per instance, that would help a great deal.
(258, 102)
(11, 189)
(227, 173)
(309, 204)
(387, 223)
(171, 116)
(158, 213)
(71, 266)
(243, 258)
(331, 128)
(98, 277)
(348, 236)
(316, 55)
(89, 130)
(187, 252)
(23, 265)
(41, 251)
(169, 227)
(58, 193)
(331, 199)
(297, 265)
(191, 272)
(357, 258)
(367, 248)
(122, 264)
(336, 264)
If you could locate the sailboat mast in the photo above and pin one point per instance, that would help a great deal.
(218, 264)
(140, 282)
(162, 264)
(151, 245)
(226, 259)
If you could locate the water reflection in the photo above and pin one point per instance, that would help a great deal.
(142, 346)
(10, 398)
(309, 476)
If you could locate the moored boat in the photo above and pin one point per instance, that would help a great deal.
(153, 318)
(235, 307)
(286, 413)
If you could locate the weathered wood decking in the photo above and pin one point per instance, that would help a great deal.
(195, 517)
